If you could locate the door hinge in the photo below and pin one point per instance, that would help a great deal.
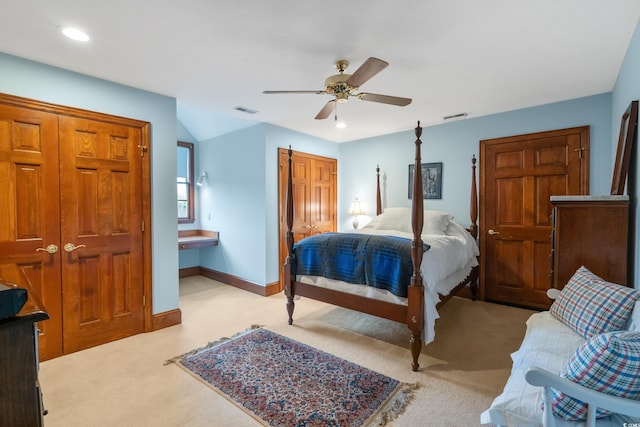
(143, 226)
(143, 149)
(144, 300)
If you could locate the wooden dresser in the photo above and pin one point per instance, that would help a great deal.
(590, 231)
(20, 396)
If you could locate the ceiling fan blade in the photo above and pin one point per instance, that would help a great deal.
(385, 99)
(370, 68)
(326, 110)
(270, 92)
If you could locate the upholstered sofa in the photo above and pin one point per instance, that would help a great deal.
(586, 348)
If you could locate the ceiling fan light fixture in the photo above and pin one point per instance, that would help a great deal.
(342, 97)
(342, 86)
(340, 124)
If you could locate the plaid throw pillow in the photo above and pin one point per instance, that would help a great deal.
(609, 363)
(590, 306)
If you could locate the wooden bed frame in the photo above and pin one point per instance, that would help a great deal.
(411, 314)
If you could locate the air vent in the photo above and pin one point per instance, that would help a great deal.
(454, 116)
(245, 110)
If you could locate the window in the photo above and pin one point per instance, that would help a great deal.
(185, 183)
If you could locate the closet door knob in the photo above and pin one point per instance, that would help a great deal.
(493, 232)
(52, 249)
(70, 247)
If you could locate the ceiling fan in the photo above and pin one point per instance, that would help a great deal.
(341, 86)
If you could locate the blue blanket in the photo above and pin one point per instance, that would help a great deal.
(383, 262)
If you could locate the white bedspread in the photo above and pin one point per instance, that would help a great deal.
(448, 261)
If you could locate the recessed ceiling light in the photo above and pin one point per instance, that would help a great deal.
(75, 34)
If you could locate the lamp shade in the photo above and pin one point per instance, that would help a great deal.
(355, 208)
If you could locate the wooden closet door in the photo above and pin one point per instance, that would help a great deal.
(101, 218)
(323, 195)
(302, 184)
(314, 180)
(29, 213)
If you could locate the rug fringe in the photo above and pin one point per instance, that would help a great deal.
(211, 344)
(395, 405)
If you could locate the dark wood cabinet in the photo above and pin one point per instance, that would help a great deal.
(20, 396)
(590, 231)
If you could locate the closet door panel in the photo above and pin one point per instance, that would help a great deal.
(102, 224)
(29, 218)
(301, 175)
(323, 205)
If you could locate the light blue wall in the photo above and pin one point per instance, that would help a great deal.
(627, 89)
(453, 144)
(277, 137)
(49, 84)
(241, 199)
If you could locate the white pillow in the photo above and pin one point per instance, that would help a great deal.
(435, 222)
(399, 219)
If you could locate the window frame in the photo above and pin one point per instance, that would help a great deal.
(190, 192)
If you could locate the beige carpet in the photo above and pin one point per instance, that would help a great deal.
(125, 383)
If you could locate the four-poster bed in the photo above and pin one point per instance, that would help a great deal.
(407, 305)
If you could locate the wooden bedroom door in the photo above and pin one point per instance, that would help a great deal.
(517, 177)
(314, 196)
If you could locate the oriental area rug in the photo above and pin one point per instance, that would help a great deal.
(282, 382)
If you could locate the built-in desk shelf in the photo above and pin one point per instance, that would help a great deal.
(194, 239)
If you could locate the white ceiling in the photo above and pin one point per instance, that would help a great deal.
(450, 56)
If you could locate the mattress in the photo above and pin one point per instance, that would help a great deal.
(448, 261)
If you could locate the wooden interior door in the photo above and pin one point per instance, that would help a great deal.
(29, 213)
(301, 181)
(101, 232)
(314, 180)
(517, 177)
(323, 195)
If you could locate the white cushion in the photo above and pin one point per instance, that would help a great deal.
(399, 219)
(547, 343)
(435, 222)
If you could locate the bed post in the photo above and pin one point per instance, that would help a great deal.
(415, 310)
(473, 228)
(288, 277)
(473, 204)
(378, 198)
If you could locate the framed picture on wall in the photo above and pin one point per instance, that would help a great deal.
(431, 180)
(628, 126)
